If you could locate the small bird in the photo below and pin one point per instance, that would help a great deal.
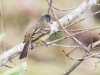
(37, 33)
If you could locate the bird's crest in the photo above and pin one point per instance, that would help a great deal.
(45, 13)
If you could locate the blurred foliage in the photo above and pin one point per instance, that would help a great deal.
(56, 36)
(1, 36)
(18, 18)
(21, 20)
(18, 70)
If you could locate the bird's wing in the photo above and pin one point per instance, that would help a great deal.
(37, 35)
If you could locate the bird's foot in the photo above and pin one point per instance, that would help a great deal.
(32, 47)
(44, 42)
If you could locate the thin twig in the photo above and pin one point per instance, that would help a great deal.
(69, 53)
(12, 62)
(96, 63)
(81, 45)
(50, 6)
(77, 30)
(8, 66)
(1, 18)
(91, 40)
(84, 55)
(78, 42)
(80, 21)
(96, 55)
(65, 46)
(84, 18)
(90, 29)
(85, 30)
(64, 9)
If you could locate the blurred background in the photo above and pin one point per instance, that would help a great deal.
(18, 15)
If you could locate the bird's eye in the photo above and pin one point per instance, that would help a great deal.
(49, 20)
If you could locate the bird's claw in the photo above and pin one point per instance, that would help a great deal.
(32, 46)
(44, 42)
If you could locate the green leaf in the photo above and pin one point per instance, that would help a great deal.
(18, 70)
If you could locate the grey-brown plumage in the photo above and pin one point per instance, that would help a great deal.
(34, 33)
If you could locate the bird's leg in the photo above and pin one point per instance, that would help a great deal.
(44, 42)
(32, 47)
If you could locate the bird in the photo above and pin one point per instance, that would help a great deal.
(37, 33)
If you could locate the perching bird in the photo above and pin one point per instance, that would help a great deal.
(37, 33)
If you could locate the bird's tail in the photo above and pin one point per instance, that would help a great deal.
(25, 50)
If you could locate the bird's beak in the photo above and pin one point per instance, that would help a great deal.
(51, 21)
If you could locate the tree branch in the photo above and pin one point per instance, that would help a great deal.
(15, 51)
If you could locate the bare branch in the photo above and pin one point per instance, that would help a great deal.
(12, 53)
(71, 36)
(85, 6)
(84, 18)
(84, 55)
(87, 30)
